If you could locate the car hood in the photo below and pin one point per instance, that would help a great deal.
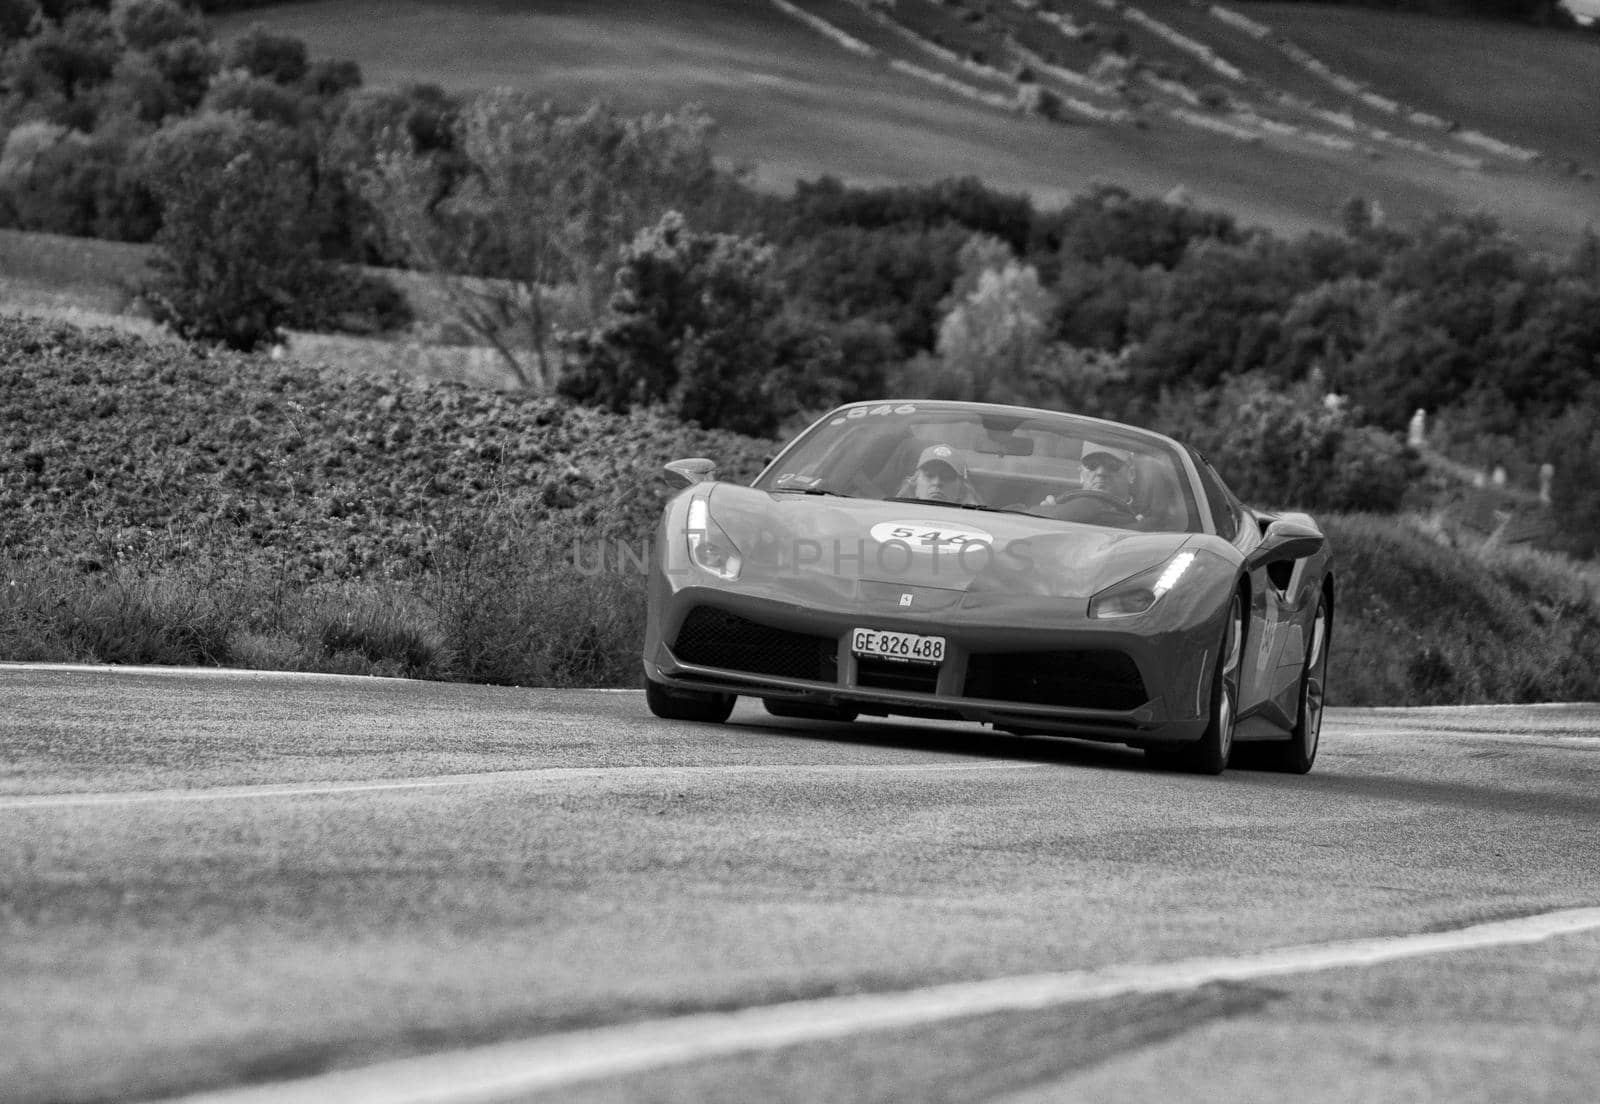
(887, 545)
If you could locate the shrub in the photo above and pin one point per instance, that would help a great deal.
(274, 57)
(18, 19)
(147, 24)
(1297, 449)
(63, 181)
(188, 65)
(150, 619)
(390, 634)
(346, 299)
(257, 97)
(699, 323)
(235, 248)
(330, 77)
(1419, 623)
(66, 60)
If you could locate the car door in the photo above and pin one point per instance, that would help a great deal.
(1260, 690)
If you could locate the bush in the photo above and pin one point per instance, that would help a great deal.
(1297, 449)
(257, 97)
(63, 181)
(274, 57)
(1418, 622)
(345, 299)
(18, 19)
(699, 323)
(147, 24)
(236, 252)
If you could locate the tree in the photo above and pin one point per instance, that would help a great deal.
(18, 19)
(66, 61)
(235, 251)
(1291, 448)
(1109, 222)
(999, 318)
(258, 97)
(147, 24)
(278, 58)
(535, 203)
(699, 323)
(896, 276)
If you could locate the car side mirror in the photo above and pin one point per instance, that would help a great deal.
(694, 470)
(1286, 539)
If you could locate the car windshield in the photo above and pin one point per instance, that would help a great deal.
(1048, 465)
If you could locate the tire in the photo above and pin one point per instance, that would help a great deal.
(1296, 755)
(1210, 753)
(687, 705)
(780, 707)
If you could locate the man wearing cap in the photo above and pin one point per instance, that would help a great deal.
(1108, 470)
(1107, 495)
(941, 475)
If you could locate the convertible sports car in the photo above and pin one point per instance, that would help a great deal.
(1041, 572)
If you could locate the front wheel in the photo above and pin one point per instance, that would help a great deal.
(1296, 755)
(687, 705)
(1209, 754)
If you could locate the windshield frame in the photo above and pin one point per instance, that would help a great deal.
(997, 421)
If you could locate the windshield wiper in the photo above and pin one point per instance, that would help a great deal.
(958, 505)
(810, 491)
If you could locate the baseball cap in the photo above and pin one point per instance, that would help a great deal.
(1092, 449)
(945, 455)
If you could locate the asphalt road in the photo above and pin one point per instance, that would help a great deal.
(211, 880)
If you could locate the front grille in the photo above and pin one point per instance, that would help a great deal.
(1082, 680)
(715, 638)
(888, 674)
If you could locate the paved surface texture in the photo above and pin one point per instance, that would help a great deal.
(220, 879)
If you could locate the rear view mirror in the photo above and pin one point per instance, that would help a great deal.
(1286, 539)
(694, 470)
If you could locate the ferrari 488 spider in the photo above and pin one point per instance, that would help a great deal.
(1040, 572)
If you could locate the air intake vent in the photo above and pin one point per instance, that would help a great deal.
(1080, 680)
(712, 637)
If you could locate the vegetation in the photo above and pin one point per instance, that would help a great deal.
(610, 261)
(223, 509)
(292, 519)
(699, 325)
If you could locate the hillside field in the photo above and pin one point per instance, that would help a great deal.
(794, 104)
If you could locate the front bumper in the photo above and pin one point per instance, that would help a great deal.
(1023, 669)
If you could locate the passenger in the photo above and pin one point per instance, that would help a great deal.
(941, 476)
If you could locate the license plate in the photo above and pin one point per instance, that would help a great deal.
(909, 647)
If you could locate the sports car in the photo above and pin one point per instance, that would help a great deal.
(1040, 572)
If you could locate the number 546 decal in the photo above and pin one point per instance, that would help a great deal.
(928, 536)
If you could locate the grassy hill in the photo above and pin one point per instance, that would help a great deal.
(911, 91)
(159, 505)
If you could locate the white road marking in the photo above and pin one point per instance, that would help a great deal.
(548, 774)
(478, 1075)
(241, 673)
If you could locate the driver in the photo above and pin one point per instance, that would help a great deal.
(1107, 494)
(941, 475)
(1108, 470)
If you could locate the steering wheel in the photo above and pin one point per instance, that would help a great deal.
(1120, 505)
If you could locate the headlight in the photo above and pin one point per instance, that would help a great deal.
(709, 547)
(1138, 594)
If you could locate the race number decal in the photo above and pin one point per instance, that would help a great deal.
(928, 536)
